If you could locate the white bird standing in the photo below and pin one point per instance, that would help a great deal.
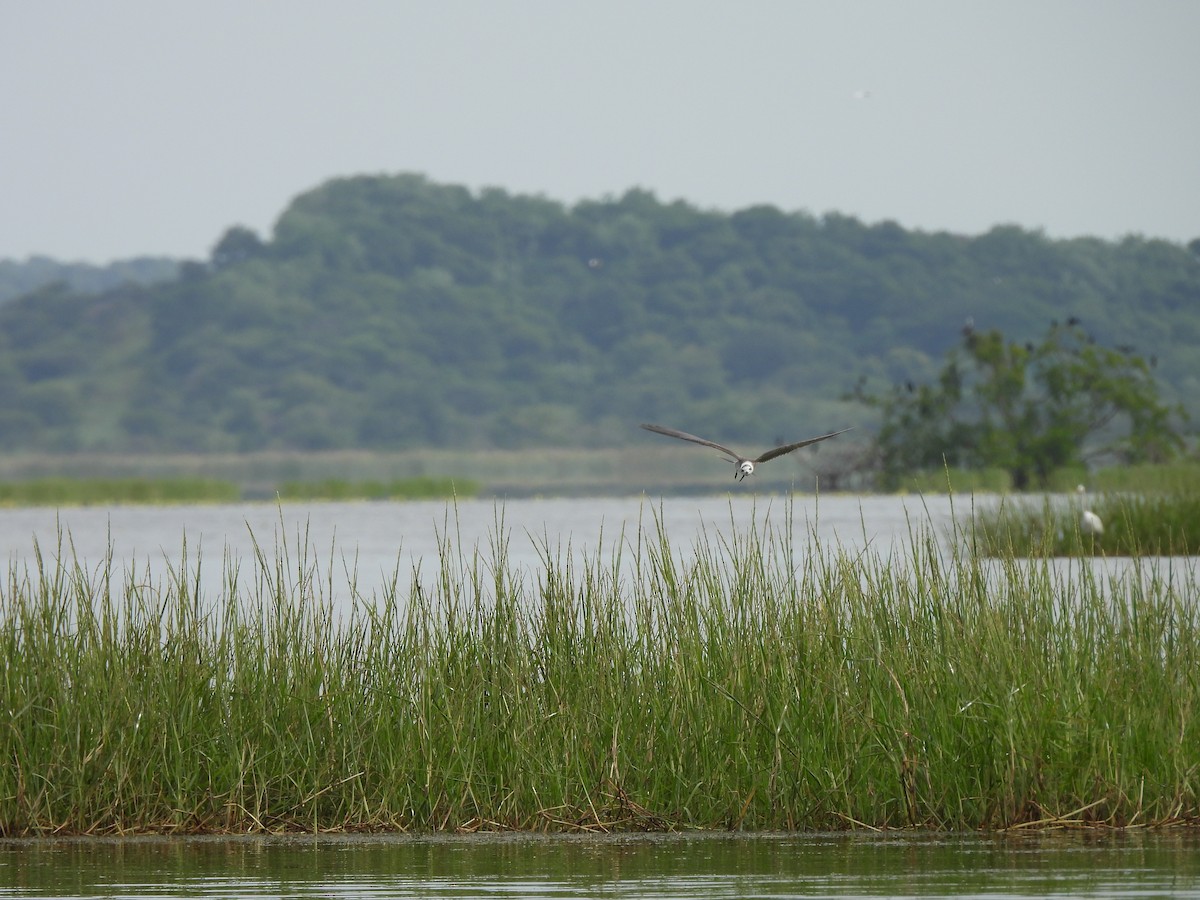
(1089, 522)
(745, 465)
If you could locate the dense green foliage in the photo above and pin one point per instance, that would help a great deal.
(1031, 410)
(741, 685)
(391, 312)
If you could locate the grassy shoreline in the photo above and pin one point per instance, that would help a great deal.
(545, 471)
(163, 491)
(97, 491)
(542, 471)
(733, 684)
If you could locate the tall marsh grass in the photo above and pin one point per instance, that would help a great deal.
(749, 681)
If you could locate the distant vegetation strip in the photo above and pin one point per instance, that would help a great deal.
(41, 480)
(739, 683)
(423, 488)
(93, 491)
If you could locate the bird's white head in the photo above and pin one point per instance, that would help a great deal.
(745, 467)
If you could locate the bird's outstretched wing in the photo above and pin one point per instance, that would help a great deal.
(788, 448)
(684, 436)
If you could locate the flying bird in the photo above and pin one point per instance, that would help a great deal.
(745, 465)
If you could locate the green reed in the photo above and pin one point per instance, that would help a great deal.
(750, 680)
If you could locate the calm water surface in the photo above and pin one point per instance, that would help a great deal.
(354, 550)
(360, 547)
(375, 540)
(667, 867)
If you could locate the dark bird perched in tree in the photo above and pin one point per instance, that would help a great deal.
(745, 465)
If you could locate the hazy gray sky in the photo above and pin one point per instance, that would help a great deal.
(133, 127)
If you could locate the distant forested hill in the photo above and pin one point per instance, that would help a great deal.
(389, 312)
(17, 278)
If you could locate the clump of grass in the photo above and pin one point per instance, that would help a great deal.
(420, 488)
(1134, 525)
(94, 491)
(748, 681)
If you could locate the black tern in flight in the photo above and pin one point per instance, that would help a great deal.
(745, 465)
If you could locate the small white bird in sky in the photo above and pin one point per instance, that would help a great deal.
(1089, 522)
(745, 465)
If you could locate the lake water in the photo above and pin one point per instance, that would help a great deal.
(367, 544)
(377, 539)
(667, 867)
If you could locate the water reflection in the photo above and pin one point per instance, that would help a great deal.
(1098, 864)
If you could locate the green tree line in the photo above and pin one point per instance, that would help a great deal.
(391, 312)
